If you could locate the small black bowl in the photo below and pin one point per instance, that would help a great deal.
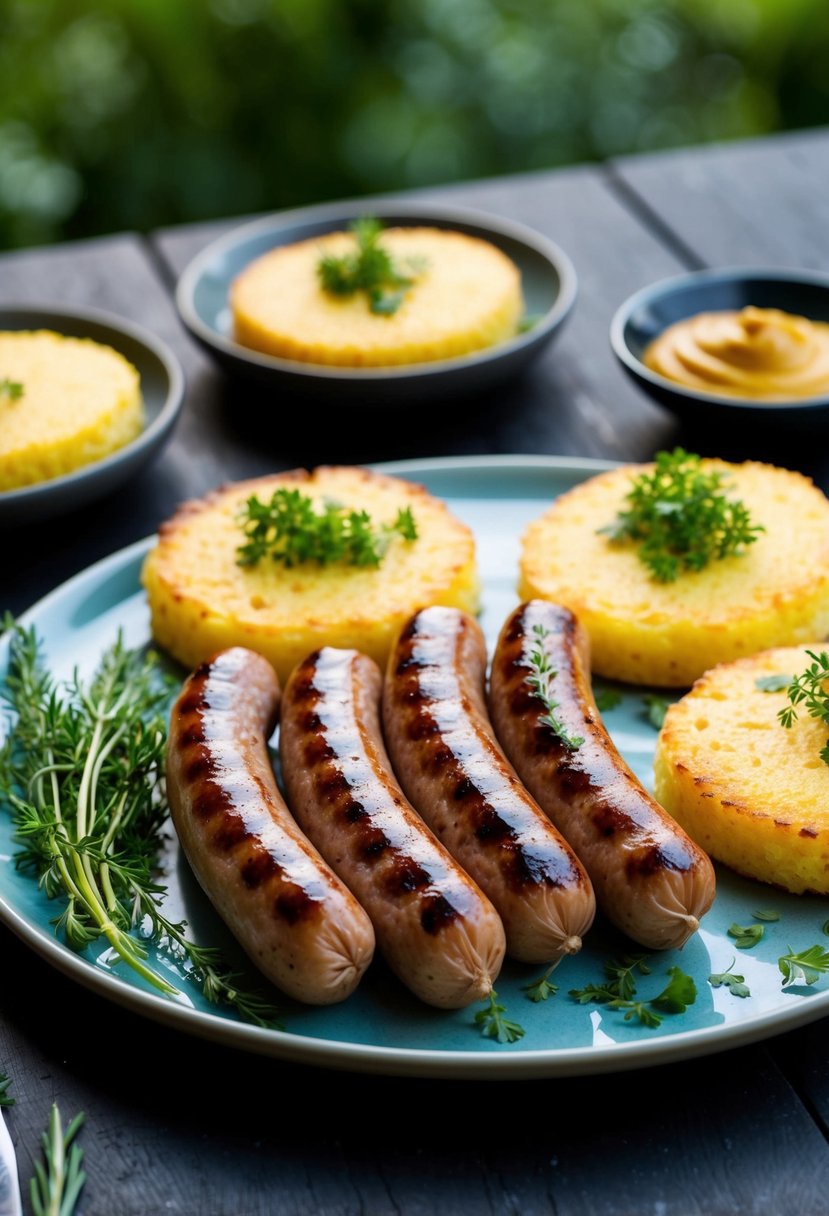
(648, 312)
(547, 277)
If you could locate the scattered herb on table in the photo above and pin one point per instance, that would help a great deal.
(289, 529)
(12, 390)
(775, 683)
(766, 914)
(82, 773)
(735, 984)
(681, 517)
(59, 1178)
(370, 269)
(808, 689)
(746, 936)
(494, 1025)
(540, 680)
(5, 1097)
(805, 967)
(606, 697)
(541, 989)
(656, 708)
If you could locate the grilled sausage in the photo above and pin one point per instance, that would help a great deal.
(437, 931)
(296, 920)
(444, 752)
(650, 879)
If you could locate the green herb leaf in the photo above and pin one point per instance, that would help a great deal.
(541, 989)
(529, 321)
(59, 1178)
(370, 269)
(772, 683)
(11, 389)
(735, 984)
(5, 1097)
(746, 936)
(540, 681)
(679, 994)
(681, 517)
(606, 697)
(494, 1025)
(767, 914)
(638, 1010)
(805, 967)
(289, 529)
(656, 708)
(825, 928)
(808, 689)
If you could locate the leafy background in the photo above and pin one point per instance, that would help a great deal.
(139, 113)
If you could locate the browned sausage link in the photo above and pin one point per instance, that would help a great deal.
(444, 751)
(437, 931)
(650, 879)
(292, 915)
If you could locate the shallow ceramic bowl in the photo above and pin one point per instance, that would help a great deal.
(162, 387)
(548, 282)
(648, 312)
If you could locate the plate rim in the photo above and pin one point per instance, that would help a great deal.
(148, 436)
(369, 1058)
(351, 209)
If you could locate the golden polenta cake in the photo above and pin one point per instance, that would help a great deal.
(466, 296)
(64, 403)
(754, 794)
(774, 593)
(202, 600)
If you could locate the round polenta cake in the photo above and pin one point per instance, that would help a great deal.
(64, 403)
(753, 793)
(202, 600)
(775, 593)
(466, 296)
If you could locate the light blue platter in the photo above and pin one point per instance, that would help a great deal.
(381, 1028)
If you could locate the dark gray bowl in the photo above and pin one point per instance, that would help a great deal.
(548, 281)
(162, 387)
(647, 313)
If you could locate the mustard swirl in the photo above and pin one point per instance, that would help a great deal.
(760, 353)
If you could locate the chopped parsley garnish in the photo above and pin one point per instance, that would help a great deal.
(494, 1025)
(11, 389)
(656, 708)
(735, 984)
(370, 269)
(805, 967)
(746, 936)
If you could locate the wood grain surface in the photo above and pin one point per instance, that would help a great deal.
(178, 1125)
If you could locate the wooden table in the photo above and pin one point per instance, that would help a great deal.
(177, 1125)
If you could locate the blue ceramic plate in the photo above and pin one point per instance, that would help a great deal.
(381, 1028)
(547, 277)
(162, 387)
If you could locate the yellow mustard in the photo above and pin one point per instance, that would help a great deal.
(760, 353)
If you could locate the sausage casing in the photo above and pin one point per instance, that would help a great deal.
(650, 878)
(293, 916)
(452, 769)
(437, 931)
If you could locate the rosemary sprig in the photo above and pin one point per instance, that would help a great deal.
(82, 774)
(370, 269)
(540, 681)
(59, 1178)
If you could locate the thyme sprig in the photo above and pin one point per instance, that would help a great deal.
(540, 681)
(809, 690)
(81, 772)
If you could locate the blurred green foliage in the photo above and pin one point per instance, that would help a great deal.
(140, 113)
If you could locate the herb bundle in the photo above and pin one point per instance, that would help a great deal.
(81, 772)
(681, 517)
(370, 269)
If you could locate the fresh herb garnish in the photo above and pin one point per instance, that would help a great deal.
(735, 984)
(656, 708)
(5, 1097)
(678, 995)
(57, 1184)
(529, 321)
(808, 690)
(619, 991)
(775, 683)
(681, 517)
(82, 774)
(767, 914)
(12, 389)
(289, 529)
(620, 985)
(606, 697)
(494, 1025)
(825, 928)
(746, 936)
(370, 269)
(805, 967)
(541, 989)
(540, 680)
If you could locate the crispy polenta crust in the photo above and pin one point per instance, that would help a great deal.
(754, 794)
(467, 296)
(202, 601)
(776, 593)
(79, 402)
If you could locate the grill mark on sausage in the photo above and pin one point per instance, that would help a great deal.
(258, 868)
(663, 855)
(294, 905)
(201, 766)
(232, 832)
(437, 914)
(211, 800)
